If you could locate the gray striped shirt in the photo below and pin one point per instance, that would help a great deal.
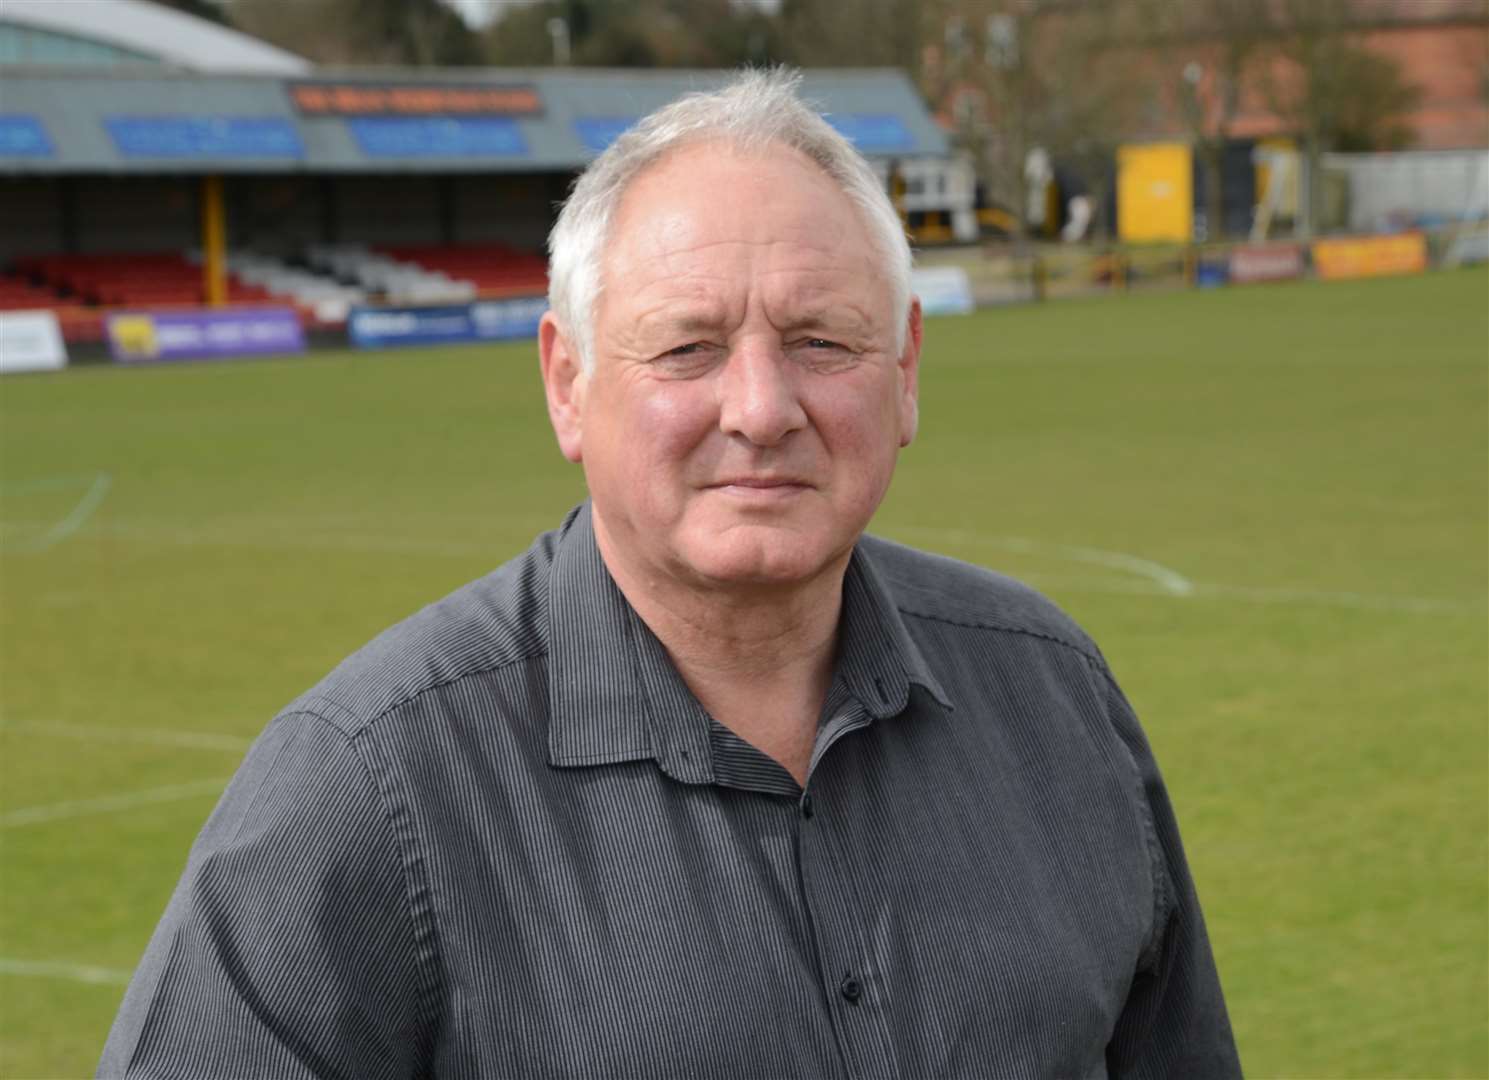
(504, 840)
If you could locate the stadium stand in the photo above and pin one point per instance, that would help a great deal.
(128, 126)
(391, 279)
(327, 299)
(127, 278)
(490, 269)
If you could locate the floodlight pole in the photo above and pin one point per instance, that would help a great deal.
(558, 29)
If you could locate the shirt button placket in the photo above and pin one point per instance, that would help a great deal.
(851, 989)
(831, 917)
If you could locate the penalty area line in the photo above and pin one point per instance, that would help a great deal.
(56, 969)
(184, 740)
(129, 800)
(75, 519)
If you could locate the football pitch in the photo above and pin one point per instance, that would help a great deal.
(1267, 504)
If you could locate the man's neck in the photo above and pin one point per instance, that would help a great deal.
(759, 659)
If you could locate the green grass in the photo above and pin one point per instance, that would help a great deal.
(1310, 458)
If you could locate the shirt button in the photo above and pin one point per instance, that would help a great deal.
(806, 805)
(851, 989)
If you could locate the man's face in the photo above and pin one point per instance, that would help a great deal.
(747, 401)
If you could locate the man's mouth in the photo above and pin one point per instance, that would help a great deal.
(760, 487)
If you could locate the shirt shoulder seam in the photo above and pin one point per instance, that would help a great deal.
(1006, 628)
(406, 851)
(360, 727)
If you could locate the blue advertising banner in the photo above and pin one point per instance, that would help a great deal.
(204, 137)
(483, 320)
(24, 136)
(436, 137)
(203, 334)
(873, 132)
(598, 132)
(508, 320)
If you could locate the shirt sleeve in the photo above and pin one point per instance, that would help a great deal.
(289, 948)
(1174, 1023)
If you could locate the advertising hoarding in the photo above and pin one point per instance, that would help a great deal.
(329, 98)
(23, 136)
(943, 290)
(143, 337)
(1370, 256)
(31, 341)
(190, 137)
(1265, 262)
(447, 324)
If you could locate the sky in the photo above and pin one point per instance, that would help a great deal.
(481, 13)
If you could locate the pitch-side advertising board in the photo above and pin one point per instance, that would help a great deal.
(145, 336)
(1370, 256)
(448, 324)
(1265, 262)
(31, 341)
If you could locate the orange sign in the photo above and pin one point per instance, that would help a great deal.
(1370, 256)
(413, 99)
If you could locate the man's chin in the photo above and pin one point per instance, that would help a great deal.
(761, 558)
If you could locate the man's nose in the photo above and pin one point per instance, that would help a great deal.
(758, 394)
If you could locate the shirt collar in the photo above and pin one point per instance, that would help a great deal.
(615, 695)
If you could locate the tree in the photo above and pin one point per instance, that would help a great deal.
(210, 10)
(1332, 89)
(382, 32)
(1021, 75)
(633, 33)
(1207, 53)
(850, 33)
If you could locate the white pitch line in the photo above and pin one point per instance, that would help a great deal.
(129, 800)
(1420, 605)
(76, 518)
(1168, 580)
(1160, 580)
(54, 969)
(186, 740)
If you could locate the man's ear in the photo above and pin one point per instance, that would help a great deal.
(564, 383)
(909, 369)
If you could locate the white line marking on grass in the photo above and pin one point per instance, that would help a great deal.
(230, 536)
(76, 518)
(130, 800)
(187, 740)
(1168, 580)
(1419, 605)
(53, 969)
(1155, 579)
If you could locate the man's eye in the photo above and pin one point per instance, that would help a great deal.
(822, 343)
(689, 349)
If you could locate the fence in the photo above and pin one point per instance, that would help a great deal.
(1056, 272)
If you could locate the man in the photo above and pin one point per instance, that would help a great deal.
(706, 783)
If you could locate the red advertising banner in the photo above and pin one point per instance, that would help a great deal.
(1370, 256)
(413, 99)
(1265, 262)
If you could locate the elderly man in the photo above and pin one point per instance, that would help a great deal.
(707, 782)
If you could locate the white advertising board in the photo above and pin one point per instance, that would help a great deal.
(31, 341)
(943, 290)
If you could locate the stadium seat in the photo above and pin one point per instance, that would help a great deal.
(489, 269)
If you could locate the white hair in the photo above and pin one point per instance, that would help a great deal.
(755, 110)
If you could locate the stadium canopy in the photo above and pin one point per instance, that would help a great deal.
(132, 121)
(131, 33)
